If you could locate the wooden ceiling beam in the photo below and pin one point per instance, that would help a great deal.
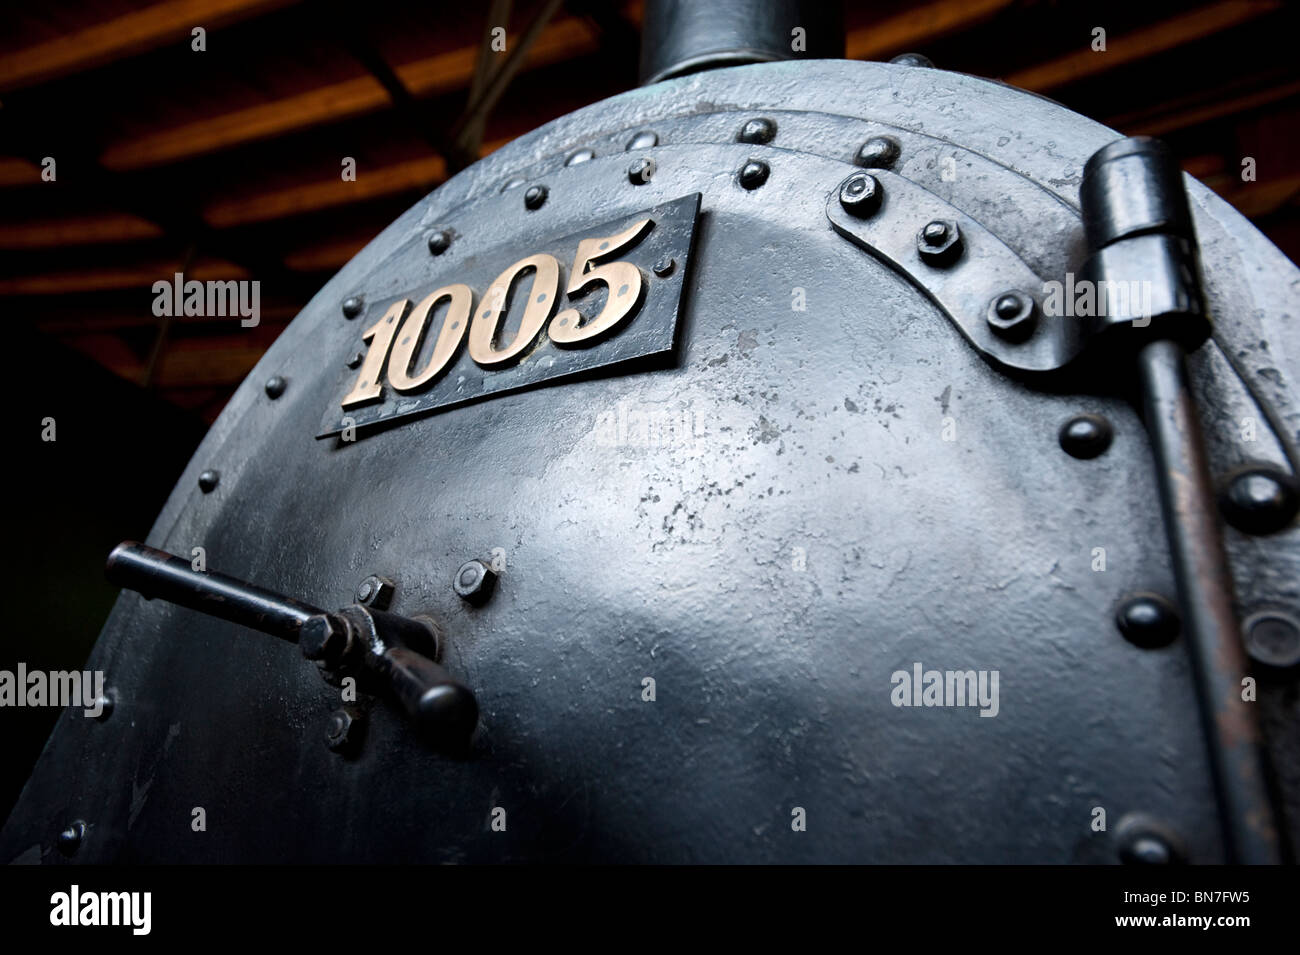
(127, 35)
(911, 30)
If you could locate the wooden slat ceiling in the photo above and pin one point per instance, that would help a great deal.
(227, 161)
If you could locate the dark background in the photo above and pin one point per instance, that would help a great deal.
(225, 163)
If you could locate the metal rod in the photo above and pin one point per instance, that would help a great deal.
(1205, 593)
(156, 573)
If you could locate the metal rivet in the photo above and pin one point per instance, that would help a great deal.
(1147, 620)
(1143, 840)
(208, 480)
(664, 268)
(69, 840)
(104, 703)
(912, 59)
(878, 152)
(1012, 316)
(275, 387)
(757, 131)
(1085, 436)
(535, 196)
(1259, 499)
(581, 156)
(754, 173)
(439, 242)
(860, 195)
(376, 592)
(352, 307)
(641, 171)
(474, 582)
(511, 184)
(356, 360)
(1272, 639)
(643, 140)
(939, 242)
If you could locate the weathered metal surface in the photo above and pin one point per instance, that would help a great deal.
(768, 529)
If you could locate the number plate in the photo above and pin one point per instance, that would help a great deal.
(605, 299)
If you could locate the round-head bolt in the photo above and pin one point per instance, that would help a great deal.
(103, 705)
(208, 481)
(344, 730)
(913, 59)
(275, 386)
(578, 157)
(1147, 620)
(757, 131)
(1259, 499)
(753, 174)
(878, 152)
(1272, 640)
(356, 360)
(474, 582)
(1012, 316)
(641, 171)
(325, 638)
(642, 140)
(69, 840)
(439, 242)
(353, 306)
(376, 592)
(939, 242)
(1085, 436)
(535, 197)
(860, 195)
(1143, 840)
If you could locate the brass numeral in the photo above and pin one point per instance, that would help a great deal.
(380, 335)
(537, 309)
(623, 280)
(408, 341)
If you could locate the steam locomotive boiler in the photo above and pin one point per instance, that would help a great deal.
(792, 459)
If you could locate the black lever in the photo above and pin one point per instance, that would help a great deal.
(400, 650)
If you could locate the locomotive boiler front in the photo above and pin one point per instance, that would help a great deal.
(803, 460)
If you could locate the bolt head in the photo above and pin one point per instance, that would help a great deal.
(439, 242)
(1085, 436)
(324, 637)
(664, 267)
(1144, 840)
(511, 184)
(939, 242)
(1012, 316)
(757, 131)
(535, 197)
(1272, 639)
(474, 582)
(642, 140)
(356, 360)
(580, 156)
(376, 592)
(69, 840)
(1147, 620)
(913, 59)
(860, 195)
(878, 152)
(1259, 499)
(754, 173)
(275, 386)
(344, 729)
(353, 306)
(641, 171)
(208, 481)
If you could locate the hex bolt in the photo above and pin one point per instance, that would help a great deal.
(376, 592)
(860, 195)
(641, 171)
(535, 197)
(1012, 316)
(642, 140)
(757, 131)
(344, 730)
(208, 480)
(356, 360)
(474, 582)
(275, 386)
(1272, 640)
(754, 173)
(1259, 499)
(439, 242)
(939, 242)
(1147, 620)
(878, 152)
(69, 840)
(325, 637)
(353, 306)
(664, 268)
(1085, 436)
(580, 156)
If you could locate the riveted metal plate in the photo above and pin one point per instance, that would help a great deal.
(964, 288)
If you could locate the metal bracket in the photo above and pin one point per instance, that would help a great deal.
(963, 268)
